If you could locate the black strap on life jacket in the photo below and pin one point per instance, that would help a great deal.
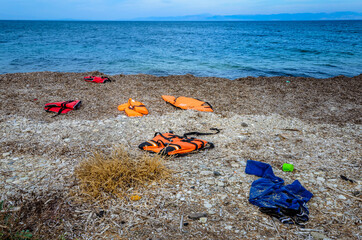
(202, 134)
(209, 105)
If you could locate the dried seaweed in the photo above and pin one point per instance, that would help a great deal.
(116, 173)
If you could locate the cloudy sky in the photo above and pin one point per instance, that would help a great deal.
(129, 9)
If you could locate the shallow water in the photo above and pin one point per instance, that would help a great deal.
(224, 49)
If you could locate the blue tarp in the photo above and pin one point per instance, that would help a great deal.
(269, 191)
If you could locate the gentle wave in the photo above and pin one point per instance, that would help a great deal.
(222, 49)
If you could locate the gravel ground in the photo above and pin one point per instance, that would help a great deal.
(313, 123)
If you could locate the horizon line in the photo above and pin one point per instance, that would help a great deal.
(130, 20)
(205, 17)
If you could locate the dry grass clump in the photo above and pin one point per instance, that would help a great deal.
(105, 175)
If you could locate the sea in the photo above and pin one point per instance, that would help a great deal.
(319, 49)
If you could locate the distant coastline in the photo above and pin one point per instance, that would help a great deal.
(334, 16)
(262, 17)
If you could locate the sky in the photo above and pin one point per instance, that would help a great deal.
(131, 9)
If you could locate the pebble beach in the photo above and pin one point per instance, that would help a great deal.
(314, 124)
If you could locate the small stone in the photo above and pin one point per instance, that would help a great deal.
(319, 236)
(66, 140)
(6, 154)
(216, 173)
(211, 212)
(203, 220)
(223, 197)
(220, 184)
(197, 216)
(207, 205)
(243, 138)
(205, 173)
(342, 197)
(244, 124)
(320, 179)
(228, 227)
(235, 165)
(210, 182)
(16, 181)
(243, 163)
(9, 180)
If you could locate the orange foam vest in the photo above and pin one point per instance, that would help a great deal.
(188, 103)
(133, 108)
(171, 144)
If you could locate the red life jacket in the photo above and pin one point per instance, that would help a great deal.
(171, 144)
(97, 79)
(62, 107)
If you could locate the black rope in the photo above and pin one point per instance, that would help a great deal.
(202, 134)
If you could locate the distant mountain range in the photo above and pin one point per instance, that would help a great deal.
(270, 17)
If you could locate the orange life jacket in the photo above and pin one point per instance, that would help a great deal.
(171, 144)
(133, 108)
(62, 107)
(188, 103)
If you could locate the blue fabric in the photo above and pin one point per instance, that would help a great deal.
(269, 191)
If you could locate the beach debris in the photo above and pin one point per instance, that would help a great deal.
(116, 173)
(278, 202)
(188, 103)
(244, 124)
(203, 220)
(135, 197)
(197, 216)
(290, 129)
(133, 108)
(96, 79)
(347, 179)
(62, 107)
(287, 167)
(280, 137)
(100, 214)
(216, 173)
(172, 144)
(344, 193)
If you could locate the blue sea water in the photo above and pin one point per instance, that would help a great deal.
(223, 49)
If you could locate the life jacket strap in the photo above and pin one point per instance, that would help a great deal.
(208, 105)
(202, 134)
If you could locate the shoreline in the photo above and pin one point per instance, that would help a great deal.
(186, 74)
(314, 124)
(305, 98)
